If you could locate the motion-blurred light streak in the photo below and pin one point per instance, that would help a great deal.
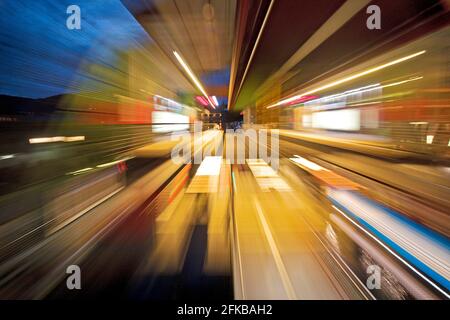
(424, 249)
(80, 171)
(193, 77)
(108, 164)
(266, 177)
(56, 139)
(347, 79)
(210, 166)
(306, 163)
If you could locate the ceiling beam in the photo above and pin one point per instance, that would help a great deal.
(334, 23)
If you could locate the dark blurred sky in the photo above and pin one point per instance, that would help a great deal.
(40, 57)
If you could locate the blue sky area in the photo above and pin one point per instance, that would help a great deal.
(40, 56)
